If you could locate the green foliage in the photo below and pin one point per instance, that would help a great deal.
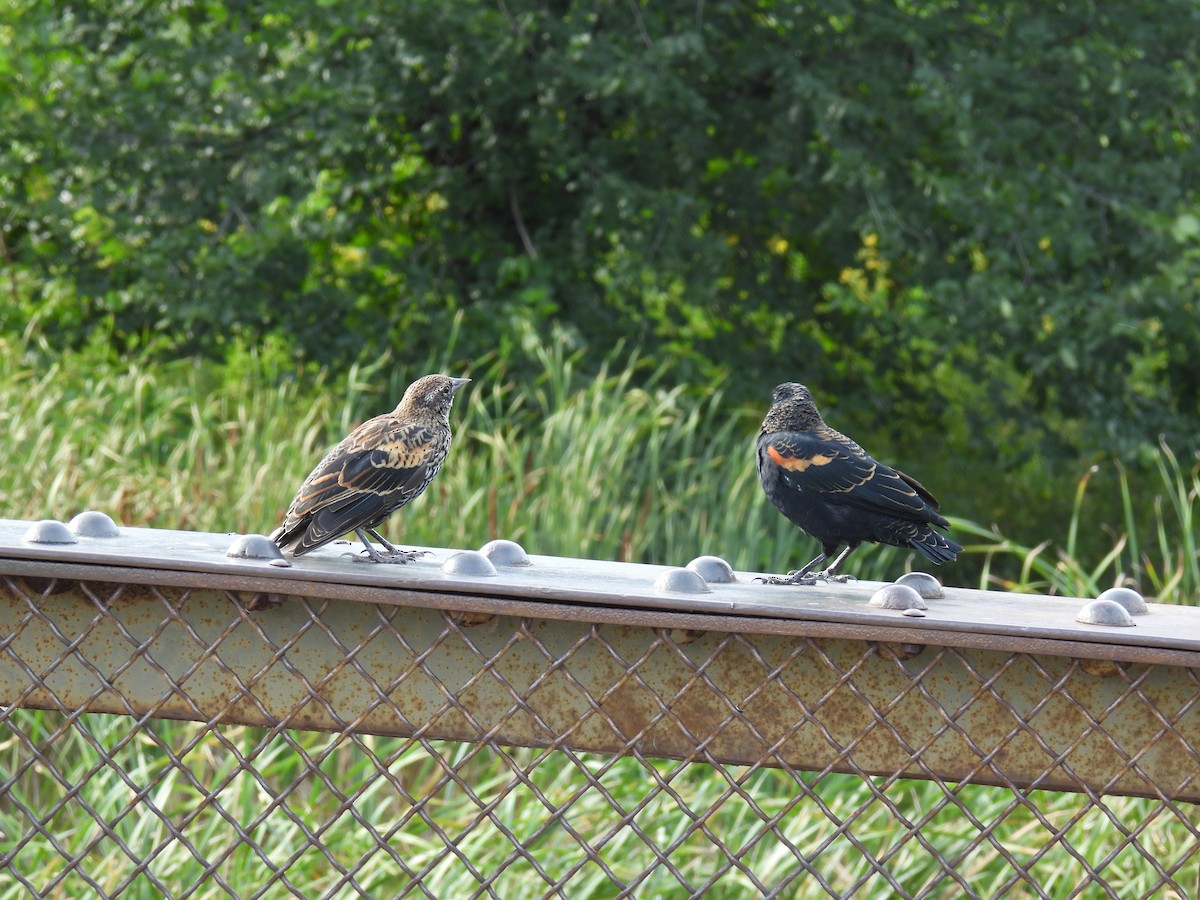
(620, 465)
(1157, 555)
(975, 221)
(284, 802)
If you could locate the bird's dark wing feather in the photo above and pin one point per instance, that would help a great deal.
(828, 463)
(371, 464)
(375, 470)
(350, 511)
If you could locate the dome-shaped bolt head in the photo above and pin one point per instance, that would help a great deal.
(1105, 612)
(896, 596)
(924, 584)
(49, 531)
(1133, 602)
(712, 569)
(681, 581)
(94, 524)
(469, 562)
(505, 553)
(254, 546)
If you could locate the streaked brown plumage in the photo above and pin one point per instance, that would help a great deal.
(379, 467)
(827, 485)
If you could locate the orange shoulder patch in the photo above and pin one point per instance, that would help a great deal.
(797, 463)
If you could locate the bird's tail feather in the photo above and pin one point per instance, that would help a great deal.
(936, 547)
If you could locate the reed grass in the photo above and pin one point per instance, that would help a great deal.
(351, 810)
(623, 464)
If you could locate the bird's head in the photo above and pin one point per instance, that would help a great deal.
(431, 394)
(792, 409)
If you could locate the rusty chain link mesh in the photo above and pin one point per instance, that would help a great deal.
(146, 803)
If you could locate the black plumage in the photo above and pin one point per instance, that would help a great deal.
(380, 466)
(827, 485)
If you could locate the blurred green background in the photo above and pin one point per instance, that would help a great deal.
(229, 231)
(232, 230)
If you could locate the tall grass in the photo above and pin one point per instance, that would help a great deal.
(304, 784)
(619, 465)
(1163, 564)
(622, 464)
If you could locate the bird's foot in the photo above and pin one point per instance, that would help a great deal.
(796, 577)
(394, 557)
(837, 579)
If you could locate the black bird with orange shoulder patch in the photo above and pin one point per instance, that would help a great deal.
(827, 485)
(380, 466)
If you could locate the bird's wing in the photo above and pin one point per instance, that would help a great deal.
(379, 461)
(350, 511)
(829, 463)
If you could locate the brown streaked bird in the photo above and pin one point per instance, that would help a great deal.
(379, 467)
(827, 485)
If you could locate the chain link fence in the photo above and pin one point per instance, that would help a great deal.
(181, 735)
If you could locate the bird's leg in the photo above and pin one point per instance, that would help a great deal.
(372, 554)
(406, 555)
(828, 575)
(799, 576)
(393, 554)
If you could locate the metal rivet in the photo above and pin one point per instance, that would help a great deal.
(913, 612)
(924, 584)
(94, 524)
(1131, 600)
(468, 562)
(279, 563)
(49, 531)
(896, 596)
(681, 581)
(1105, 612)
(712, 569)
(505, 553)
(254, 546)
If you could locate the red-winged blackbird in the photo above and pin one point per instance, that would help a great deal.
(828, 485)
(376, 469)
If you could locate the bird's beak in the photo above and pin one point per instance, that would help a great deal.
(458, 383)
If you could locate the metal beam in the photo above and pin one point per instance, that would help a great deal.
(586, 655)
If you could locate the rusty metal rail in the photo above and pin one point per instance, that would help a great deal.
(498, 650)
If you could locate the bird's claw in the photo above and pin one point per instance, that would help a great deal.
(806, 578)
(396, 557)
(790, 578)
(410, 555)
